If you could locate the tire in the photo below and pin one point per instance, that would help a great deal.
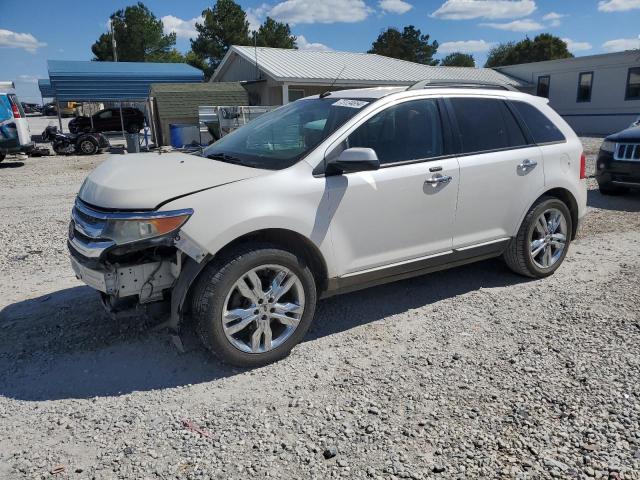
(519, 253)
(2, 156)
(87, 146)
(609, 189)
(216, 293)
(133, 128)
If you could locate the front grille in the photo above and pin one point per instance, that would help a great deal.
(627, 151)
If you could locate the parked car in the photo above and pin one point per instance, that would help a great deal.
(108, 120)
(31, 108)
(15, 135)
(67, 109)
(326, 195)
(618, 164)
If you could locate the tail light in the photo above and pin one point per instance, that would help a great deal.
(583, 166)
(16, 110)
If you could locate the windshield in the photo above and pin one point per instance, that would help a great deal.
(280, 138)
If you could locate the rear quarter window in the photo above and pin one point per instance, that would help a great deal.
(542, 129)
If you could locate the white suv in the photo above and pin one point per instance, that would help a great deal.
(325, 195)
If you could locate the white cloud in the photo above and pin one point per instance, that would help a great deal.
(27, 79)
(492, 9)
(465, 46)
(618, 5)
(320, 11)
(303, 44)
(9, 39)
(553, 18)
(574, 46)
(621, 44)
(255, 16)
(182, 28)
(395, 6)
(525, 25)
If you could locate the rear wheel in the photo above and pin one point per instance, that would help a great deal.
(542, 241)
(254, 305)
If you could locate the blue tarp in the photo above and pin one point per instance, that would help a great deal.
(45, 88)
(113, 81)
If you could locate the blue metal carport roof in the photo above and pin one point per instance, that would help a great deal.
(114, 81)
(46, 90)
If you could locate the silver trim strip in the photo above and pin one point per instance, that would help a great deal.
(484, 244)
(391, 265)
(80, 205)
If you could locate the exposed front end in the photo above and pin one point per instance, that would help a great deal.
(618, 164)
(130, 257)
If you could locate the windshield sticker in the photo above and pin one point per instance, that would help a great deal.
(345, 102)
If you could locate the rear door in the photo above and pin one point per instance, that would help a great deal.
(501, 170)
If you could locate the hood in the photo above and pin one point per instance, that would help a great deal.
(631, 134)
(142, 181)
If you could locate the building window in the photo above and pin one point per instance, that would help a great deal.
(585, 81)
(295, 94)
(543, 86)
(633, 84)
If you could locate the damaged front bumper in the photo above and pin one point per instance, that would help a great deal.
(133, 273)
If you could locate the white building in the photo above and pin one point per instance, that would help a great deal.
(596, 94)
(276, 76)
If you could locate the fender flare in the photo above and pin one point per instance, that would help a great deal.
(190, 271)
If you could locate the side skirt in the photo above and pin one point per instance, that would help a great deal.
(379, 276)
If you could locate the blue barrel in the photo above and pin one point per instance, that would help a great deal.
(176, 134)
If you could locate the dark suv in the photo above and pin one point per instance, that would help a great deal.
(618, 165)
(108, 120)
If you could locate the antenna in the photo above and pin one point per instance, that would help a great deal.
(327, 92)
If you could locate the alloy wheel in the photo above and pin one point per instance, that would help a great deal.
(263, 308)
(548, 238)
(87, 146)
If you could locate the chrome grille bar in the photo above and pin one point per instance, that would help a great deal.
(627, 151)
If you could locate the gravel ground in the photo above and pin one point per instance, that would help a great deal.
(468, 373)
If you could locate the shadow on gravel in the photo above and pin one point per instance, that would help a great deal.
(626, 202)
(344, 312)
(6, 164)
(63, 345)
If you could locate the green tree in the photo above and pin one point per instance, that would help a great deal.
(139, 38)
(458, 59)
(223, 25)
(275, 34)
(409, 45)
(543, 47)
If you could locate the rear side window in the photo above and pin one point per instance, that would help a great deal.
(486, 124)
(542, 129)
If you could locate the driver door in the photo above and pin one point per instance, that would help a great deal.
(404, 211)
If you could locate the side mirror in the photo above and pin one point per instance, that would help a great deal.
(353, 160)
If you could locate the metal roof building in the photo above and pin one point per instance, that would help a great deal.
(277, 75)
(114, 81)
(46, 90)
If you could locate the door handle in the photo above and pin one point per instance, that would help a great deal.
(438, 179)
(527, 164)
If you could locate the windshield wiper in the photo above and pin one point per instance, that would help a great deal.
(223, 157)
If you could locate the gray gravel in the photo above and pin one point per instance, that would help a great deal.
(468, 373)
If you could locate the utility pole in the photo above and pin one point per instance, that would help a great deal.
(113, 41)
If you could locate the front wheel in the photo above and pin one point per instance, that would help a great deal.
(254, 305)
(542, 241)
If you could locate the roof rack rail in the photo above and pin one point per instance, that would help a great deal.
(462, 84)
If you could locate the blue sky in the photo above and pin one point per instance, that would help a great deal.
(32, 31)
